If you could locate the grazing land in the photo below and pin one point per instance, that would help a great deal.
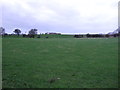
(60, 63)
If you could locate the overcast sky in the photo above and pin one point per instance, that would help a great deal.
(64, 16)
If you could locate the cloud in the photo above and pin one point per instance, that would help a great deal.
(65, 16)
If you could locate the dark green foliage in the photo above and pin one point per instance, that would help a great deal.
(17, 31)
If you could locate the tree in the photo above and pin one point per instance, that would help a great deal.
(2, 31)
(33, 32)
(88, 35)
(17, 31)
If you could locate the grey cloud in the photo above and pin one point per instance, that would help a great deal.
(57, 18)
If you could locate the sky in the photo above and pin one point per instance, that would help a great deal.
(62, 16)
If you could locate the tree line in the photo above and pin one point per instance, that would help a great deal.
(18, 31)
(33, 32)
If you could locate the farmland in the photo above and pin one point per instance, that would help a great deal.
(78, 63)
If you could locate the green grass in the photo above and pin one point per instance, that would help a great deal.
(0, 62)
(79, 63)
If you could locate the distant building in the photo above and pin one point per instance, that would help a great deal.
(52, 33)
(115, 33)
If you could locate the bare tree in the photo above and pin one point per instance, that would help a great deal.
(33, 32)
(2, 31)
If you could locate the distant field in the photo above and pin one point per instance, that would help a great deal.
(78, 63)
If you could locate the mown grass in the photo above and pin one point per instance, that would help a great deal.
(79, 63)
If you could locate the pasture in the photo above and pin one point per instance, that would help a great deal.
(78, 63)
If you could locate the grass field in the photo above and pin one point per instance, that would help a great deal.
(78, 63)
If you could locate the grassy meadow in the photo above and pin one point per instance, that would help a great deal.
(78, 63)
